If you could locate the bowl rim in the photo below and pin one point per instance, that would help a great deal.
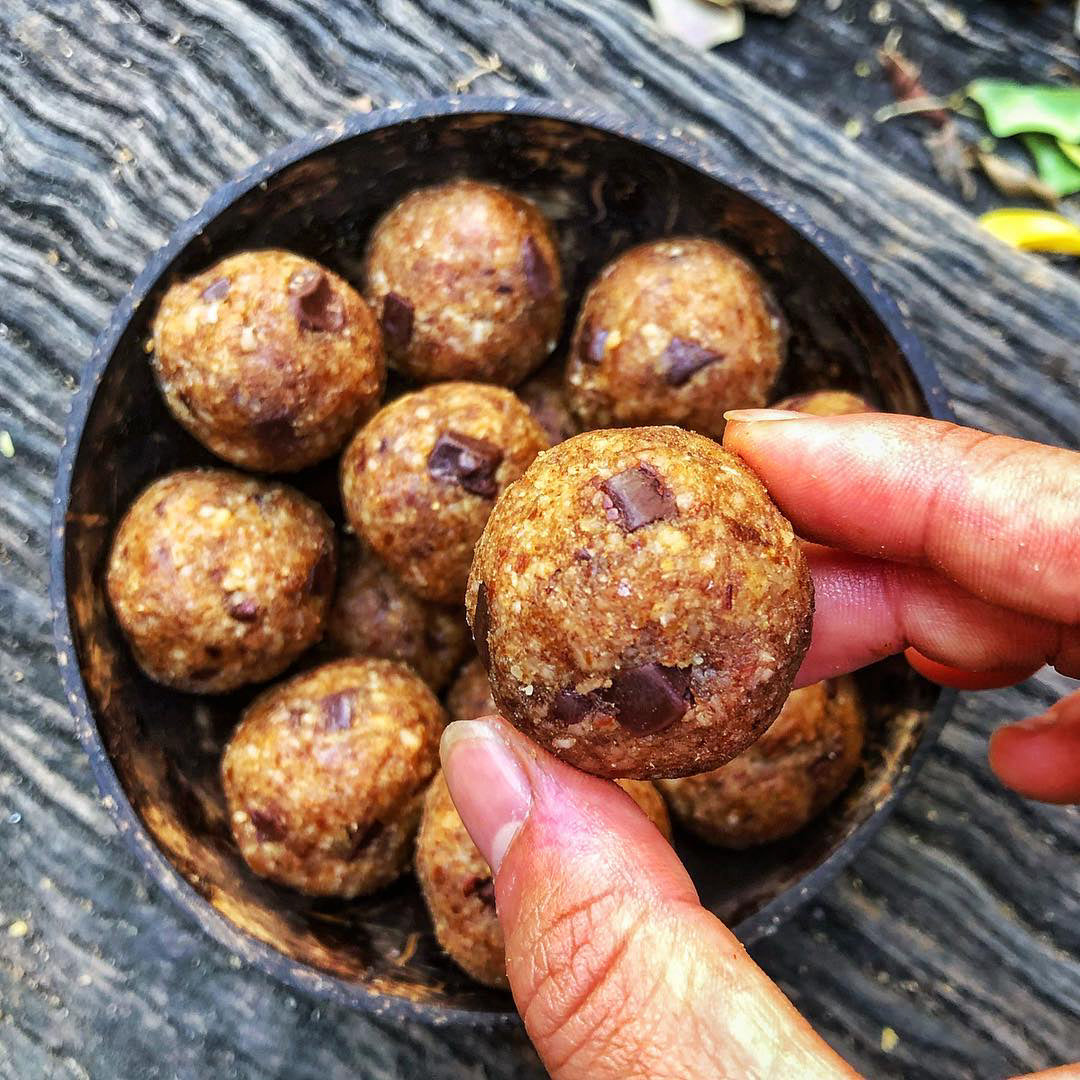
(152, 859)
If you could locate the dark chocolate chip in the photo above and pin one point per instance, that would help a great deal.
(314, 303)
(483, 888)
(211, 671)
(337, 711)
(481, 625)
(582, 555)
(683, 359)
(639, 497)
(242, 608)
(320, 579)
(591, 346)
(216, 290)
(746, 533)
(569, 707)
(397, 320)
(268, 823)
(361, 839)
(538, 274)
(468, 462)
(504, 290)
(650, 698)
(729, 596)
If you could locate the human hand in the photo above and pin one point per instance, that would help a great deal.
(961, 545)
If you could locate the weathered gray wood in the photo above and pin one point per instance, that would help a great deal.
(959, 928)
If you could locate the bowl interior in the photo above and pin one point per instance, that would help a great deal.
(604, 192)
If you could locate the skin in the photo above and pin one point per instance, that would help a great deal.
(964, 548)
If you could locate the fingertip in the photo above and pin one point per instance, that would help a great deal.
(961, 679)
(1039, 758)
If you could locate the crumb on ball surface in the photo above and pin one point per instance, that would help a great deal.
(640, 604)
(219, 579)
(469, 695)
(269, 359)
(466, 281)
(801, 764)
(325, 774)
(373, 614)
(674, 332)
(825, 403)
(420, 478)
(458, 888)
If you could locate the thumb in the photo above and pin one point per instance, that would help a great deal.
(616, 969)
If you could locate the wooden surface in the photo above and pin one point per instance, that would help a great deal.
(959, 928)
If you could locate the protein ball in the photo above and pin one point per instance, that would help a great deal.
(466, 281)
(325, 776)
(640, 604)
(469, 695)
(457, 883)
(825, 403)
(375, 615)
(419, 480)
(218, 579)
(545, 395)
(675, 331)
(269, 359)
(799, 766)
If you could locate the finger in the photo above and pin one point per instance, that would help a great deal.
(1040, 757)
(999, 516)
(959, 679)
(616, 969)
(867, 609)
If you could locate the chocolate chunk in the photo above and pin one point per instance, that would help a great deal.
(210, 671)
(268, 823)
(362, 838)
(538, 274)
(683, 359)
(481, 625)
(337, 711)
(746, 533)
(242, 608)
(273, 431)
(569, 707)
(504, 290)
(397, 320)
(468, 462)
(591, 346)
(729, 596)
(650, 698)
(483, 888)
(314, 303)
(320, 580)
(216, 290)
(639, 497)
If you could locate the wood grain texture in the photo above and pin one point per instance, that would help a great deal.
(960, 926)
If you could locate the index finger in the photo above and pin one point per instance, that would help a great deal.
(997, 515)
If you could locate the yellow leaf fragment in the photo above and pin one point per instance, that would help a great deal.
(1034, 230)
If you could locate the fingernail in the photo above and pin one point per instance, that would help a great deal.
(751, 416)
(488, 785)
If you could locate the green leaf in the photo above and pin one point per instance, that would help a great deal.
(1070, 150)
(1012, 108)
(1060, 175)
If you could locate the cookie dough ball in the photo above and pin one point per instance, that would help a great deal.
(470, 694)
(269, 359)
(457, 884)
(466, 281)
(545, 395)
(805, 759)
(218, 579)
(825, 403)
(674, 332)
(325, 776)
(375, 615)
(642, 607)
(419, 480)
